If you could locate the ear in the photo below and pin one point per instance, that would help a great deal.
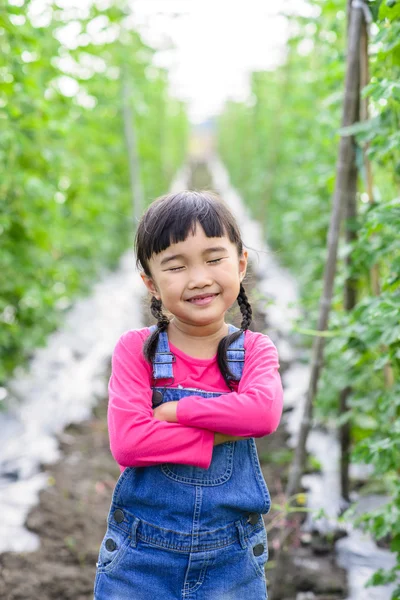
(243, 265)
(151, 286)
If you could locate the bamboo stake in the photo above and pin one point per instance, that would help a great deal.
(344, 166)
(350, 299)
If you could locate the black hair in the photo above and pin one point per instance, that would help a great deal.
(170, 219)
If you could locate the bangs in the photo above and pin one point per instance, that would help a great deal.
(172, 218)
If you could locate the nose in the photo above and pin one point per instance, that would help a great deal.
(199, 277)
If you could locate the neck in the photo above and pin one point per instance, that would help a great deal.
(207, 333)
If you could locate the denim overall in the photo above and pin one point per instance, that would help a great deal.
(183, 532)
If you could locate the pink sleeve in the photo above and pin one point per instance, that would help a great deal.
(137, 439)
(255, 409)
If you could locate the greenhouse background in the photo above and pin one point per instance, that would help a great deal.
(291, 113)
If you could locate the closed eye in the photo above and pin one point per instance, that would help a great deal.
(216, 260)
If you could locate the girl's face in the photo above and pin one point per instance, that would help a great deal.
(198, 279)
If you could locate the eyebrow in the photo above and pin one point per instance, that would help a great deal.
(168, 259)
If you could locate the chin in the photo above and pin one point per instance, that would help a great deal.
(197, 320)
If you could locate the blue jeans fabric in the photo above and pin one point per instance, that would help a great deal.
(182, 532)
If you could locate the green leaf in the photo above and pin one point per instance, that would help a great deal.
(390, 10)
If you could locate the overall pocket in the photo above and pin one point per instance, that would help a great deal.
(221, 467)
(258, 550)
(219, 471)
(112, 550)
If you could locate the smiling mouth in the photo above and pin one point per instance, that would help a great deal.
(202, 300)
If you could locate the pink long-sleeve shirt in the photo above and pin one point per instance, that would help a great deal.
(137, 439)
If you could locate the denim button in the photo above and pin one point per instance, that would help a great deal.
(253, 518)
(157, 398)
(119, 515)
(110, 545)
(258, 549)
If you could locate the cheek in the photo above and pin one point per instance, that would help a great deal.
(171, 287)
(231, 276)
(235, 291)
(231, 284)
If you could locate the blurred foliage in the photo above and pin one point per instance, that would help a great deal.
(66, 210)
(281, 150)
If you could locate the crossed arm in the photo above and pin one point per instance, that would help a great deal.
(185, 432)
(167, 412)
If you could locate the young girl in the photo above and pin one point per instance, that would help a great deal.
(187, 397)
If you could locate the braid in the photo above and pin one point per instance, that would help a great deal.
(150, 345)
(156, 311)
(246, 310)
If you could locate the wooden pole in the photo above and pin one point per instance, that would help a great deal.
(350, 299)
(342, 196)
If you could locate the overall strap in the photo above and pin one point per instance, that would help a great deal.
(235, 355)
(163, 358)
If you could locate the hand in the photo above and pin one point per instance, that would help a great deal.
(166, 412)
(221, 438)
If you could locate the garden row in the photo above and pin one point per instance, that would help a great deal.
(281, 149)
(88, 134)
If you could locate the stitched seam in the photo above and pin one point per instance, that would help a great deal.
(258, 473)
(201, 577)
(188, 550)
(204, 482)
(120, 482)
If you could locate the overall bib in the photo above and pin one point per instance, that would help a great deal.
(180, 532)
